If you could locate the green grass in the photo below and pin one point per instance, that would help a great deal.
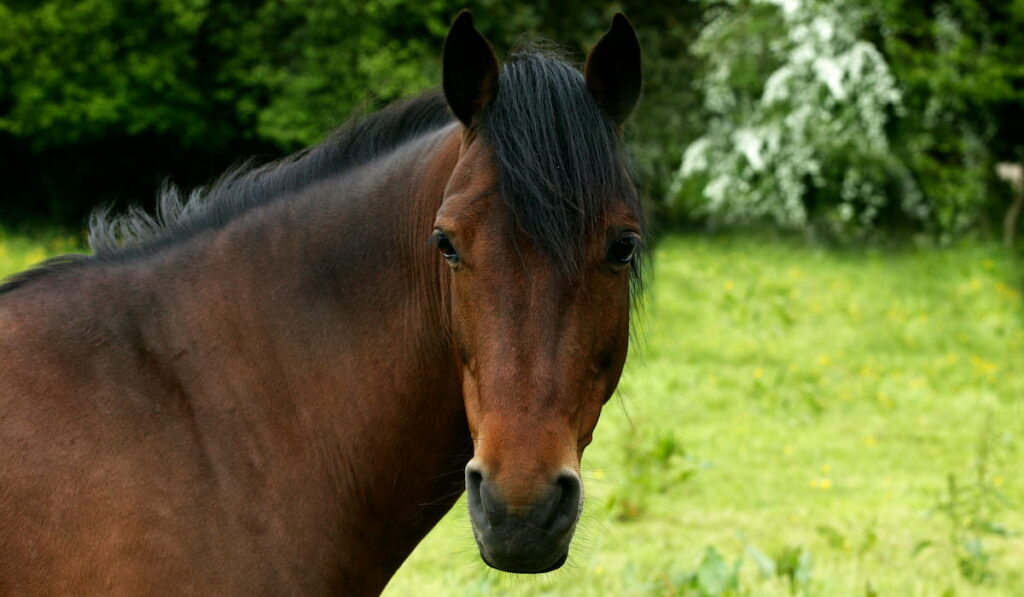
(784, 402)
(23, 249)
(792, 408)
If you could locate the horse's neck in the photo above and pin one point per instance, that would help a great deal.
(314, 337)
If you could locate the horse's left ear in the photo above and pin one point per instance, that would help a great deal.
(470, 69)
(613, 70)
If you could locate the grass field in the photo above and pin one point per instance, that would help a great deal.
(792, 421)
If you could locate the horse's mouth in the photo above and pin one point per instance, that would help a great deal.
(523, 548)
(519, 569)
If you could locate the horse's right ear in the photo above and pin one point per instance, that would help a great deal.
(470, 69)
(613, 70)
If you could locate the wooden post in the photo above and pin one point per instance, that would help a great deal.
(1014, 175)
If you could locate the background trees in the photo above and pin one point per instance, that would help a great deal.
(851, 117)
(840, 117)
(798, 108)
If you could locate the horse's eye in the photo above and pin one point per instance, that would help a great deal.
(445, 246)
(623, 250)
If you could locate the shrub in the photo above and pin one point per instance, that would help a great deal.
(799, 110)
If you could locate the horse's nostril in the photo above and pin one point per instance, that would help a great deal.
(473, 479)
(554, 511)
(484, 506)
(566, 502)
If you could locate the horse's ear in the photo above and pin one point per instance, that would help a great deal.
(470, 69)
(613, 70)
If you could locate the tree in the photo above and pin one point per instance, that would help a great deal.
(961, 66)
(101, 100)
(849, 117)
(798, 136)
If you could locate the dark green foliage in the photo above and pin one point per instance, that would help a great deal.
(101, 100)
(948, 76)
(961, 66)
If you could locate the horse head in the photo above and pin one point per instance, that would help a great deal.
(541, 232)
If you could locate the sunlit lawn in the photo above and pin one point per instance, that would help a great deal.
(800, 409)
(20, 250)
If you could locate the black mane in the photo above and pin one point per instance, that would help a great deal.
(358, 142)
(560, 161)
(179, 217)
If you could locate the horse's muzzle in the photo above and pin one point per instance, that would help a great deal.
(531, 539)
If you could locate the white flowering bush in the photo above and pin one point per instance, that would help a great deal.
(799, 137)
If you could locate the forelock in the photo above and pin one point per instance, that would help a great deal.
(560, 159)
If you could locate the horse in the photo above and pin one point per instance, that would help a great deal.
(280, 383)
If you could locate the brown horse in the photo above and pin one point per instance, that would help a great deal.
(281, 384)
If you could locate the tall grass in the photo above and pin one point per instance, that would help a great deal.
(789, 424)
(792, 421)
